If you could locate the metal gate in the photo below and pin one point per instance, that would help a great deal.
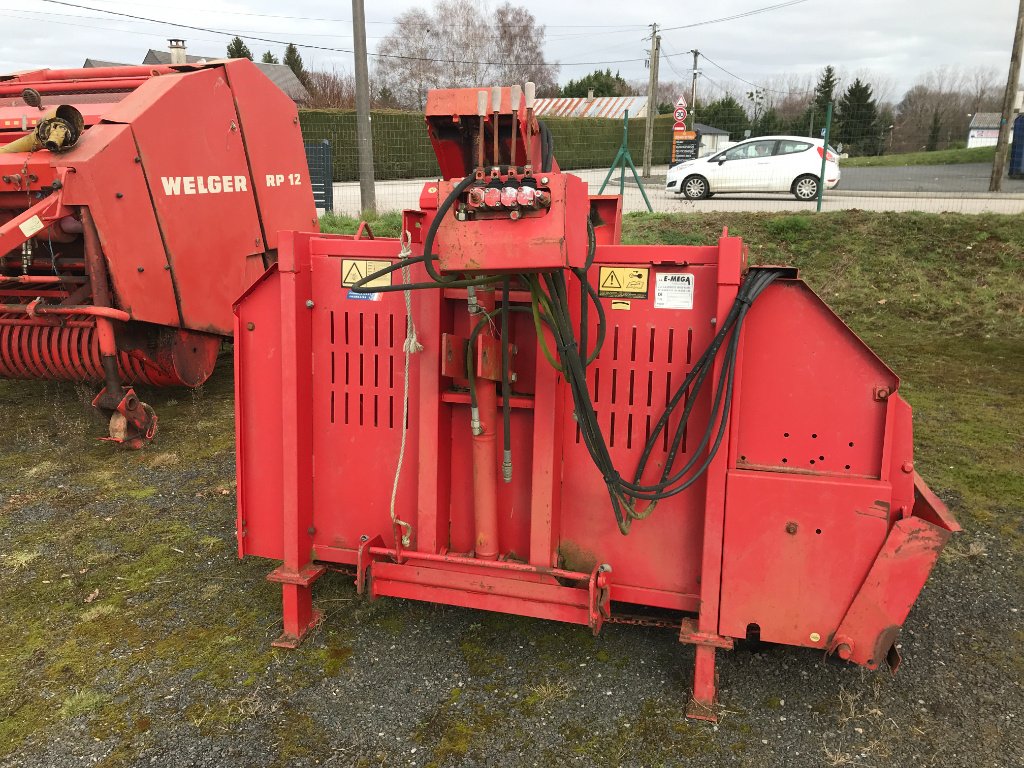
(321, 173)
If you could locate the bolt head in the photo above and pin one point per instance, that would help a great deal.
(543, 179)
(141, 269)
(908, 467)
(250, 326)
(791, 527)
(815, 637)
(309, 303)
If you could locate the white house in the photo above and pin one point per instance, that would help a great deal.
(984, 129)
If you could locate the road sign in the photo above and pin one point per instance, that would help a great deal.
(679, 126)
(680, 114)
(681, 102)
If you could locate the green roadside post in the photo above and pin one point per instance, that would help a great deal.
(824, 154)
(622, 159)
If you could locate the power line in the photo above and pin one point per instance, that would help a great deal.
(755, 85)
(57, 18)
(616, 27)
(672, 66)
(725, 91)
(331, 49)
(735, 16)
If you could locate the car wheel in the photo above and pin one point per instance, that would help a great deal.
(695, 187)
(805, 188)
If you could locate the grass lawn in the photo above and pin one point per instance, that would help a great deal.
(939, 157)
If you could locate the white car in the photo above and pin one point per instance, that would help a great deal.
(765, 164)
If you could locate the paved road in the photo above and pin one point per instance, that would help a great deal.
(966, 178)
(934, 189)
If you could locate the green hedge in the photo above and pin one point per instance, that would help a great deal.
(402, 150)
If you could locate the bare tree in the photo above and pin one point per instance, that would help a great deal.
(457, 45)
(330, 89)
(519, 45)
(935, 113)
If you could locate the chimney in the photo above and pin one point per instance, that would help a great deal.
(177, 48)
(590, 95)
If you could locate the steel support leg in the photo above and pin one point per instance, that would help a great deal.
(297, 602)
(705, 698)
(299, 615)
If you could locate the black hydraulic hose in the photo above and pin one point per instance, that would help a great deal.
(585, 295)
(427, 259)
(625, 511)
(481, 324)
(442, 211)
(547, 147)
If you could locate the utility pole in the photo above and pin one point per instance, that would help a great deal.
(364, 134)
(1012, 83)
(652, 100)
(693, 92)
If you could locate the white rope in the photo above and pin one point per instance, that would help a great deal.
(411, 346)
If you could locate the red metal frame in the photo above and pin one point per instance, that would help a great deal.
(825, 550)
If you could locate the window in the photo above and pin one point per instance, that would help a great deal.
(791, 147)
(751, 150)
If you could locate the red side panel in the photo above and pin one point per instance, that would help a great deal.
(797, 549)
(201, 190)
(109, 181)
(808, 400)
(277, 161)
(258, 425)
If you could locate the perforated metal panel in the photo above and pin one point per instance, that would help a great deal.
(358, 370)
(646, 356)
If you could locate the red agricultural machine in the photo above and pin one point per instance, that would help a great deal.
(136, 203)
(678, 430)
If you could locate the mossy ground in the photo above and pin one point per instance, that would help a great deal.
(127, 616)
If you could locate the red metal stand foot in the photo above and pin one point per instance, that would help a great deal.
(704, 704)
(299, 615)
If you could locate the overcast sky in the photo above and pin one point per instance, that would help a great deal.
(899, 39)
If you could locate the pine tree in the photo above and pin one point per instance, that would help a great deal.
(769, 123)
(237, 49)
(824, 93)
(269, 58)
(726, 114)
(293, 60)
(857, 120)
(601, 83)
(825, 90)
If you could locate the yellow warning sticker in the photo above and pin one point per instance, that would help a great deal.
(354, 270)
(620, 304)
(623, 282)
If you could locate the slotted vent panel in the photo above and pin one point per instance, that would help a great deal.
(632, 381)
(362, 376)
